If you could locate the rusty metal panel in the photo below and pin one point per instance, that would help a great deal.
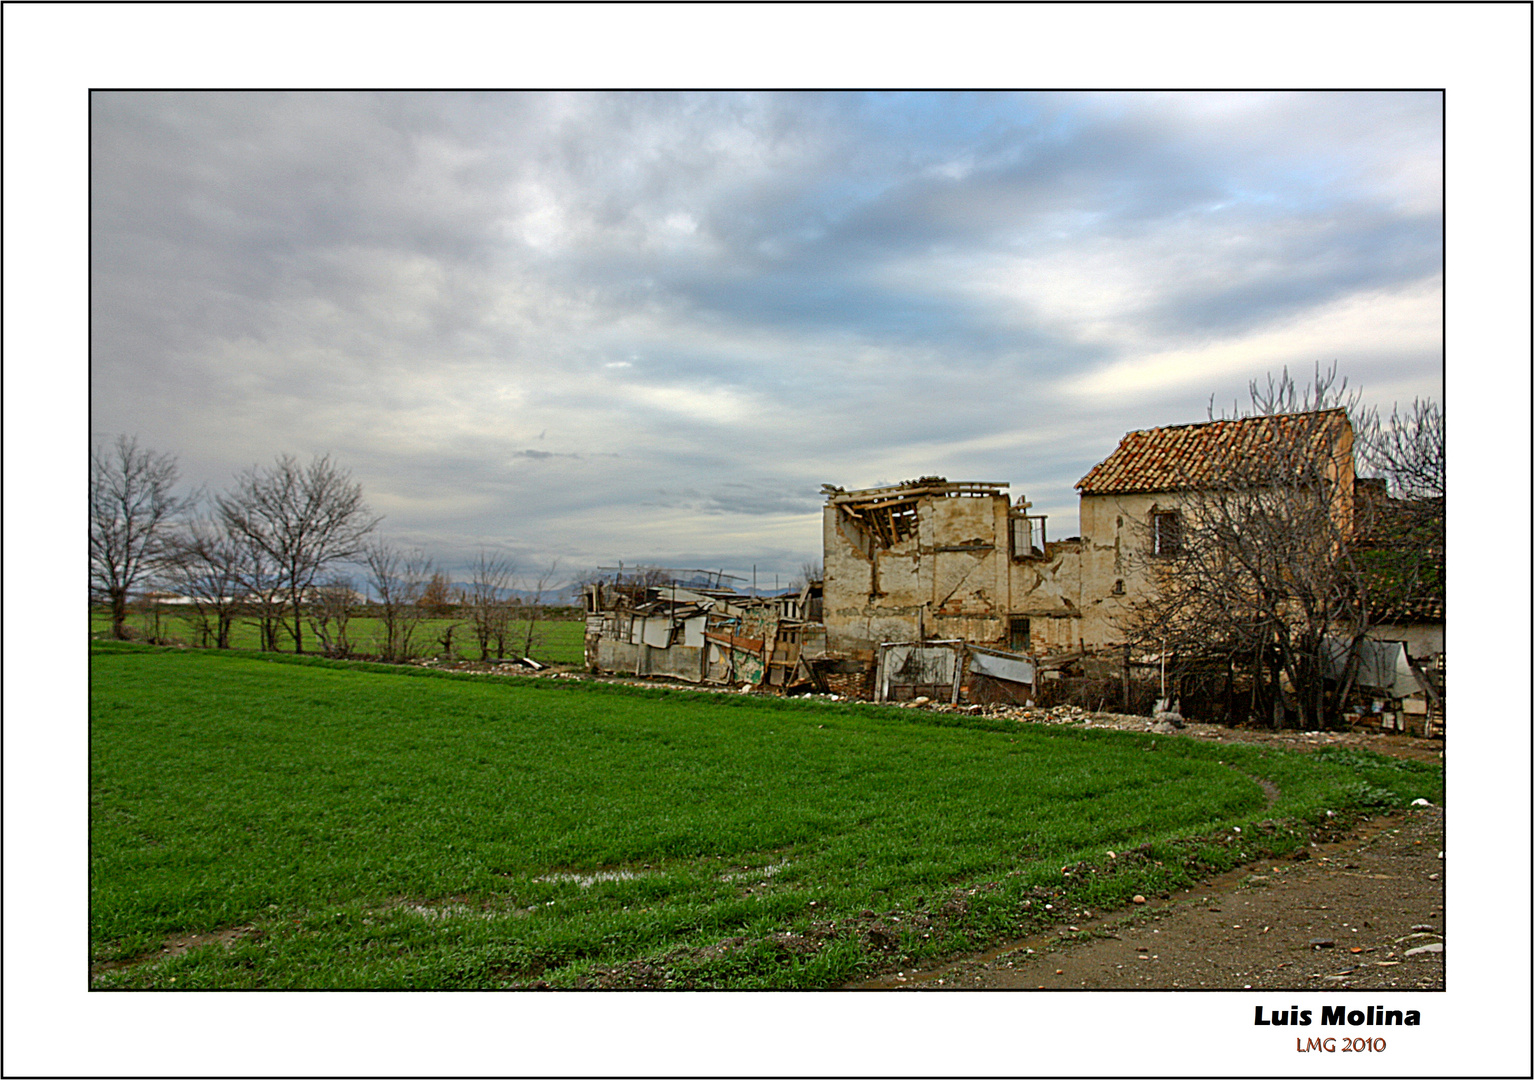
(984, 690)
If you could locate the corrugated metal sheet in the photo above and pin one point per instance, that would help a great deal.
(1011, 667)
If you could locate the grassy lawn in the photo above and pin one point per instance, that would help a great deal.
(556, 641)
(359, 826)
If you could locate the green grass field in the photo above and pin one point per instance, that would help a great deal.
(556, 641)
(359, 826)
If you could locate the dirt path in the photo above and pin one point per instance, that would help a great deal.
(1347, 915)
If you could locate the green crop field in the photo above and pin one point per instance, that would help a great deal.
(556, 641)
(281, 822)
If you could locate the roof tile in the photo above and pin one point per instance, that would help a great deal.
(1195, 455)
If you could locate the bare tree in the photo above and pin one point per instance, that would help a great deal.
(330, 616)
(1402, 542)
(207, 566)
(1256, 565)
(532, 611)
(1407, 450)
(303, 519)
(132, 506)
(1284, 394)
(487, 603)
(397, 579)
(263, 600)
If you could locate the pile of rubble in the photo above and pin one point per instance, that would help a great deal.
(1023, 714)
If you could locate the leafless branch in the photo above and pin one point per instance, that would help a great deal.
(303, 520)
(132, 506)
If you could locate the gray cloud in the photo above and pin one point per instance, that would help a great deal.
(606, 326)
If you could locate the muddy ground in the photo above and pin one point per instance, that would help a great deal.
(1365, 912)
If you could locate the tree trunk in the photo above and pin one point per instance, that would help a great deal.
(298, 622)
(119, 600)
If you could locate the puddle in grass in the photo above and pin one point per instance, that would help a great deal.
(762, 872)
(586, 881)
(176, 946)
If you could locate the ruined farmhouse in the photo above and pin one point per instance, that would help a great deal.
(954, 590)
(933, 559)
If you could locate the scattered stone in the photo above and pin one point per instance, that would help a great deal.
(1420, 802)
(1321, 943)
(1436, 947)
(1138, 899)
(1422, 927)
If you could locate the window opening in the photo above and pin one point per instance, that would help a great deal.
(1018, 634)
(1166, 532)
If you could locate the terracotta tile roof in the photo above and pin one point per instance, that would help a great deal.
(1418, 610)
(1195, 455)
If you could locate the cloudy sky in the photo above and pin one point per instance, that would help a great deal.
(441, 290)
(648, 326)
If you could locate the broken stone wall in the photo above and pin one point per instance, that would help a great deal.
(946, 577)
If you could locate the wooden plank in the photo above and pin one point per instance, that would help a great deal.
(745, 644)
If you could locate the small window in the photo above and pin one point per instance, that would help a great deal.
(1166, 533)
(1017, 639)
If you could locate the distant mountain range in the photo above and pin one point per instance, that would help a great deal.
(557, 595)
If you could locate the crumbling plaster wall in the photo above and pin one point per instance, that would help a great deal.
(1075, 596)
(1047, 592)
(955, 576)
(1118, 567)
(950, 578)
